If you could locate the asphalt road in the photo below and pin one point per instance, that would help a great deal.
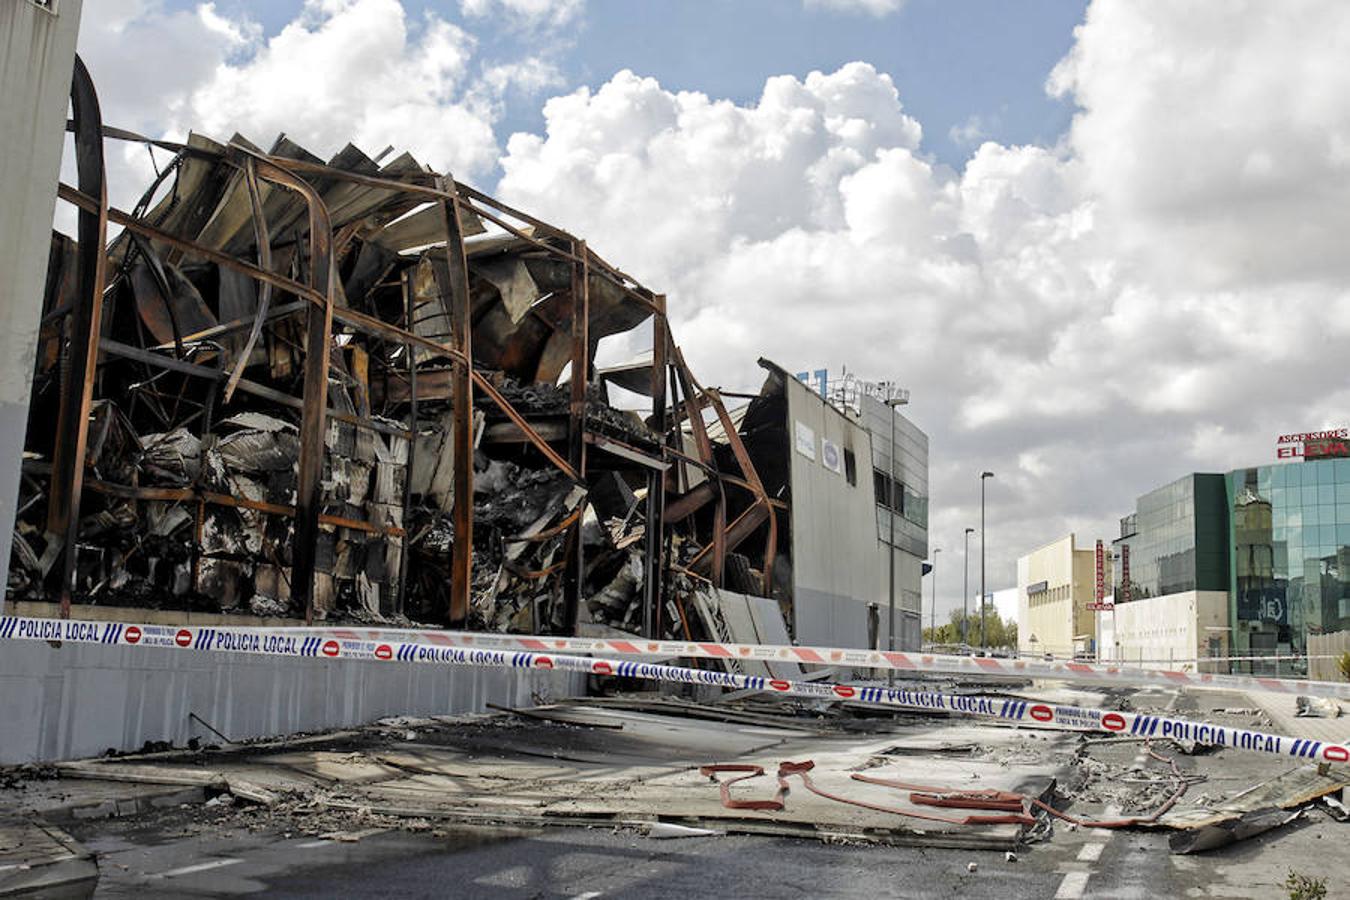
(595, 863)
(179, 856)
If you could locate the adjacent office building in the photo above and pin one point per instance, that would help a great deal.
(1055, 584)
(1290, 562)
(1247, 564)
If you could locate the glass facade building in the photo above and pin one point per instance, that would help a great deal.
(1275, 538)
(1290, 567)
(1177, 540)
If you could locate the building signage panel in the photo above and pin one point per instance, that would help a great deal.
(1039, 587)
(1100, 604)
(1125, 573)
(831, 457)
(1101, 572)
(1314, 444)
(805, 441)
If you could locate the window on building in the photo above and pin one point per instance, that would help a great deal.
(850, 467)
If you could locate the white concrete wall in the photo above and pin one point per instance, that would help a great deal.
(835, 553)
(81, 699)
(1172, 627)
(37, 55)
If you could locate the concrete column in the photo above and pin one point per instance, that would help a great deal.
(37, 54)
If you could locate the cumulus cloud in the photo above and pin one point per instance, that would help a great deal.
(869, 7)
(344, 70)
(1159, 293)
(526, 13)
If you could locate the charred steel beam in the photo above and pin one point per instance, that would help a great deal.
(685, 505)
(693, 410)
(357, 320)
(405, 551)
(747, 469)
(752, 475)
(234, 325)
(581, 371)
(627, 451)
(461, 552)
(264, 241)
(180, 495)
(127, 351)
(741, 528)
(416, 184)
(654, 534)
(318, 339)
(72, 426)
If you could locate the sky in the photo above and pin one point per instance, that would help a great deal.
(1102, 243)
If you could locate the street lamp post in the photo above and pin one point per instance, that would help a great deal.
(932, 615)
(891, 404)
(965, 591)
(983, 476)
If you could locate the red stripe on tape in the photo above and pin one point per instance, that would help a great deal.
(715, 649)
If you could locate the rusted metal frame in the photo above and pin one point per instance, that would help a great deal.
(531, 574)
(404, 557)
(360, 321)
(686, 505)
(318, 339)
(626, 451)
(127, 351)
(207, 440)
(748, 470)
(705, 452)
(264, 241)
(530, 433)
(576, 410)
(463, 195)
(239, 324)
(571, 519)
(740, 528)
(681, 456)
(654, 528)
(606, 271)
(179, 495)
(117, 217)
(437, 193)
(473, 193)
(626, 282)
(156, 268)
(72, 426)
(461, 404)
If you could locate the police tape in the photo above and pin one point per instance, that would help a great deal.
(1096, 674)
(304, 644)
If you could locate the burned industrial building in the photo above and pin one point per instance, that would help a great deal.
(450, 455)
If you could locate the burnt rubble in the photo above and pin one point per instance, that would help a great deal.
(188, 449)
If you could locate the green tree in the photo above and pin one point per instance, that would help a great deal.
(1001, 633)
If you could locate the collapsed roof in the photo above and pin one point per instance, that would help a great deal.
(451, 456)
